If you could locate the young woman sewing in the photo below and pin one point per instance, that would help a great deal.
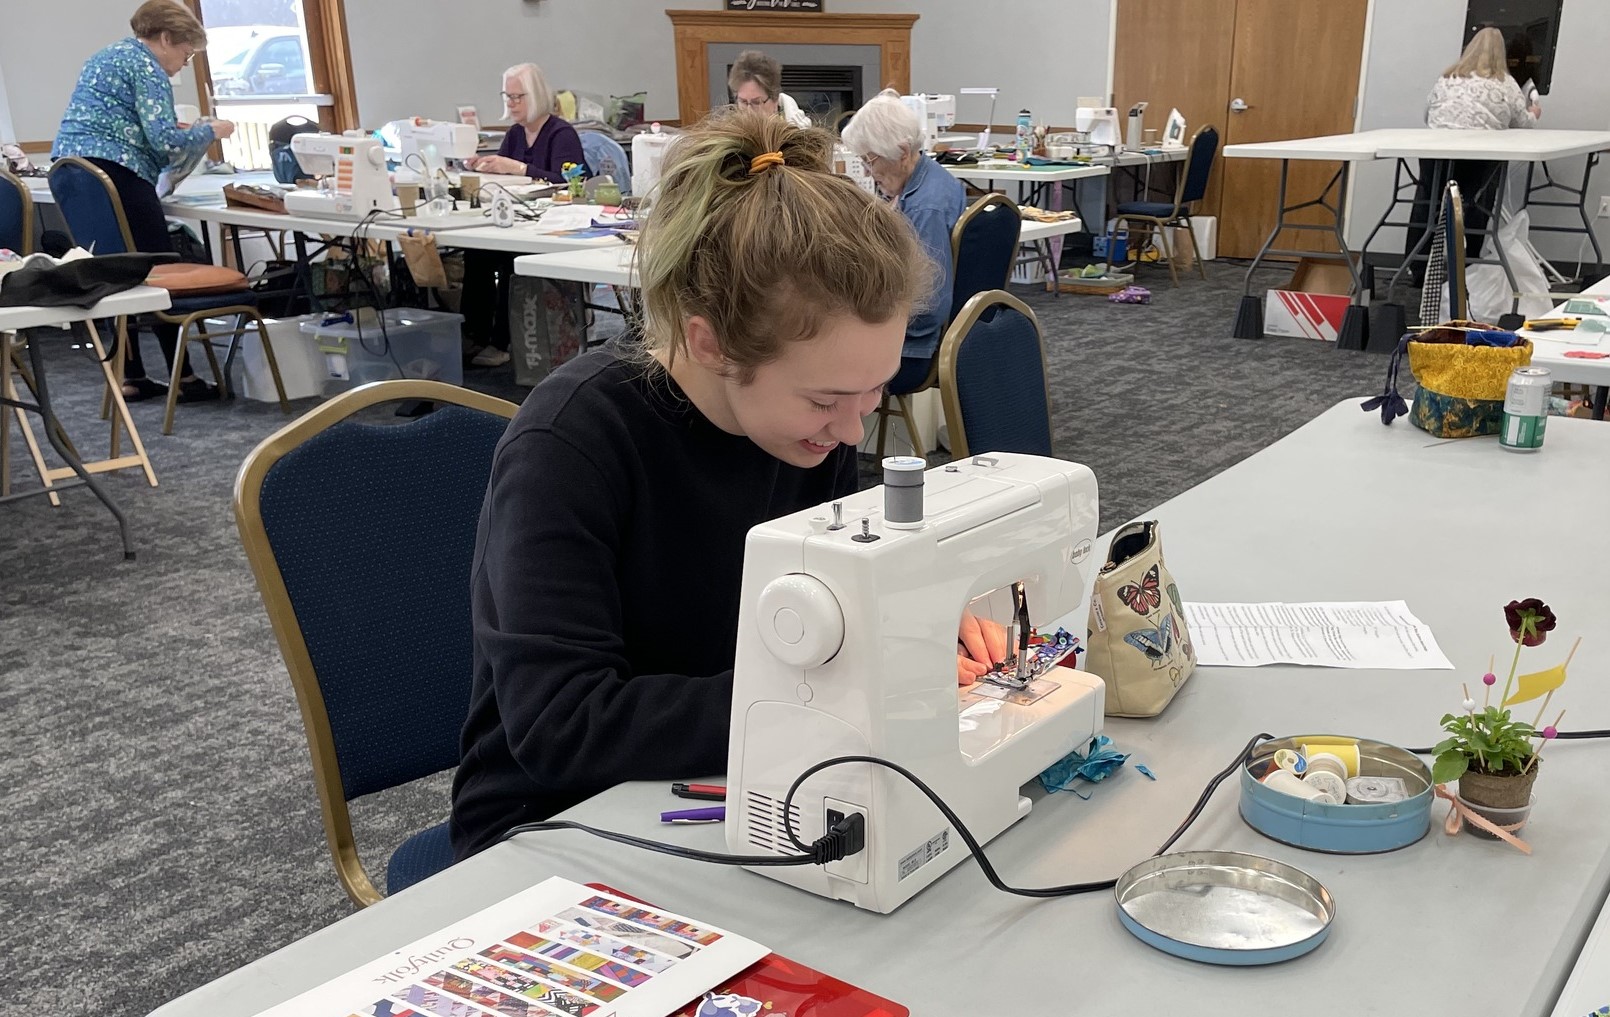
(609, 561)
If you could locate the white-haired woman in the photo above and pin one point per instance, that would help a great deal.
(888, 137)
(538, 146)
(1475, 94)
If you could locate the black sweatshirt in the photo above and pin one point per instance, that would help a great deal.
(606, 582)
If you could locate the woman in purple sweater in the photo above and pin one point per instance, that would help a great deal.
(538, 146)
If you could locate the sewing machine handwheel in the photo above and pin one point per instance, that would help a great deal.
(800, 620)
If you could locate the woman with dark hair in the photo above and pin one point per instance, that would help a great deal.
(121, 119)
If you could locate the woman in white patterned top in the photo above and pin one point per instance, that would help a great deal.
(1475, 94)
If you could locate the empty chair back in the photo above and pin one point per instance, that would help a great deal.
(983, 244)
(606, 156)
(16, 215)
(993, 379)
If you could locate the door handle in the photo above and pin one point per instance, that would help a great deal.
(1239, 105)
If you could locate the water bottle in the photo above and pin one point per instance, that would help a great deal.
(1025, 135)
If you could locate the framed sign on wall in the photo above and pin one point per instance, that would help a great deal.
(812, 6)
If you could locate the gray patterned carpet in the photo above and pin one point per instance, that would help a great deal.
(160, 822)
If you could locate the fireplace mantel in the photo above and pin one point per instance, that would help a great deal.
(695, 30)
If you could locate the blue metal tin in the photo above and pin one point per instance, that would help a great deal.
(1224, 907)
(1356, 829)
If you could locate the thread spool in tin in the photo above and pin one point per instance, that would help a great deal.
(1327, 782)
(902, 492)
(1373, 790)
(1289, 783)
(1346, 751)
(1291, 759)
(1325, 762)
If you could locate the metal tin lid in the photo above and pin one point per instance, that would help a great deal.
(1224, 907)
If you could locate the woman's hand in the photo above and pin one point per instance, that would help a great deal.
(500, 164)
(1536, 111)
(981, 644)
(222, 129)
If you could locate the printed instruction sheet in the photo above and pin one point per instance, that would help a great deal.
(1356, 634)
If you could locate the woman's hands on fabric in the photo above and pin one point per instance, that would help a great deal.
(501, 164)
(980, 644)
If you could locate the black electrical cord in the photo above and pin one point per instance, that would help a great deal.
(977, 850)
(1563, 736)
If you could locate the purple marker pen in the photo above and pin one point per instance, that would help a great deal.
(712, 814)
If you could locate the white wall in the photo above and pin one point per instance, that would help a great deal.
(1410, 44)
(6, 132)
(403, 51)
(43, 46)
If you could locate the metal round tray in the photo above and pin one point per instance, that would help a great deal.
(1224, 907)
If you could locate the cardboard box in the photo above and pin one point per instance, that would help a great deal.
(1304, 315)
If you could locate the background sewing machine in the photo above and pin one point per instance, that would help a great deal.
(1099, 124)
(847, 646)
(351, 174)
(937, 113)
(427, 145)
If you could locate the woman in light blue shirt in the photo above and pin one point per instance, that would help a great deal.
(121, 118)
(888, 136)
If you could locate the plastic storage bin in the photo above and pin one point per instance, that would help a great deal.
(302, 366)
(412, 344)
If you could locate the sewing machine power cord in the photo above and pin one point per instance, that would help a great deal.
(848, 836)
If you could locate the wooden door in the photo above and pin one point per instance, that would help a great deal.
(1296, 66)
(1175, 54)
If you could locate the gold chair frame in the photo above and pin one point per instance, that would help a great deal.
(337, 818)
(246, 318)
(950, 348)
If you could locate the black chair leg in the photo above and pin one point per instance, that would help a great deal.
(1355, 332)
(1248, 319)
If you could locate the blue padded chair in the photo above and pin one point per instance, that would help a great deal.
(94, 212)
(993, 379)
(606, 156)
(1158, 215)
(361, 537)
(16, 215)
(983, 245)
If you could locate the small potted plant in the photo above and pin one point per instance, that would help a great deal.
(1493, 755)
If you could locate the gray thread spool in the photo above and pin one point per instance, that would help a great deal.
(902, 492)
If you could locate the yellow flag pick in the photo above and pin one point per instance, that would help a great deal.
(1530, 686)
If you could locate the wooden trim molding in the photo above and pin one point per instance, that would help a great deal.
(693, 31)
(35, 147)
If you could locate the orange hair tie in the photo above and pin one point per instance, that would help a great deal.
(761, 163)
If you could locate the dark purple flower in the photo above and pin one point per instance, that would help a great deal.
(1530, 621)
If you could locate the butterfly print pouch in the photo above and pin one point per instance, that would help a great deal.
(1138, 641)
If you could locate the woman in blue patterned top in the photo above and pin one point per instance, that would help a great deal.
(121, 118)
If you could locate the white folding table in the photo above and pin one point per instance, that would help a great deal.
(39, 324)
(1414, 928)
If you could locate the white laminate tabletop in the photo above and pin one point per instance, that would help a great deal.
(1549, 349)
(138, 300)
(1519, 145)
(1359, 147)
(195, 186)
(1317, 516)
(1588, 989)
(610, 266)
(1026, 174)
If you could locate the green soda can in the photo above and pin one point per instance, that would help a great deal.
(1526, 405)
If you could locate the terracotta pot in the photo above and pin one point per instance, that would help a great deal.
(1508, 791)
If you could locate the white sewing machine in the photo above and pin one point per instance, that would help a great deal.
(1100, 123)
(937, 113)
(351, 172)
(847, 646)
(450, 143)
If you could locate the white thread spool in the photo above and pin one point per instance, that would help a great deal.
(1327, 782)
(1328, 763)
(1289, 783)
